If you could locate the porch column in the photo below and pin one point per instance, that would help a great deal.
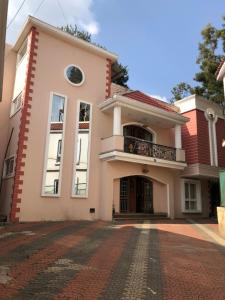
(117, 120)
(178, 142)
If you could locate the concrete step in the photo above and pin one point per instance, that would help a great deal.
(139, 216)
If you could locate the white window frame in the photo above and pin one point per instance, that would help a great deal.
(198, 196)
(43, 194)
(14, 110)
(4, 167)
(73, 195)
(19, 58)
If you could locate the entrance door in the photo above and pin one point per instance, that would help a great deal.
(136, 195)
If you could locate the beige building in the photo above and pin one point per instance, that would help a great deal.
(73, 145)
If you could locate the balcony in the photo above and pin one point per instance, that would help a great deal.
(131, 149)
(141, 147)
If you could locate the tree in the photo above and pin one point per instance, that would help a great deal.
(119, 73)
(208, 60)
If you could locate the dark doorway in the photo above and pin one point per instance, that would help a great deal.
(137, 132)
(214, 198)
(136, 195)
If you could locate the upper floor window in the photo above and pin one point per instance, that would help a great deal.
(9, 167)
(84, 112)
(54, 146)
(137, 132)
(16, 104)
(82, 151)
(22, 51)
(57, 109)
(74, 75)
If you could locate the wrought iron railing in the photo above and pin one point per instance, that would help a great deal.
(142, 147)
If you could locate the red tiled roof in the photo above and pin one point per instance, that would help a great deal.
(220, 65)
(139, 96)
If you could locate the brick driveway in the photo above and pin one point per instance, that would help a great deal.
(99, 260)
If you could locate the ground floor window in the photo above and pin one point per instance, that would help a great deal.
(191, 196)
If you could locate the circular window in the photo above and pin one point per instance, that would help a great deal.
(74, 75)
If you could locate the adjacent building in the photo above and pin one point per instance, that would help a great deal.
(73, 145)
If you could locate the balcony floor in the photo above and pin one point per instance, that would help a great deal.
(141, 159)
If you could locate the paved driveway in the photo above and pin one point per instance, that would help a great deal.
(99, 260)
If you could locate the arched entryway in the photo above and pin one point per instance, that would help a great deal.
(136, 195)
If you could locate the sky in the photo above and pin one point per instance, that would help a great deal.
(156, 39)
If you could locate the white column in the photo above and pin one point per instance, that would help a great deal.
(117, 120)
(178, 142)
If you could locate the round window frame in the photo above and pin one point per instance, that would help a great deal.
(67, 79)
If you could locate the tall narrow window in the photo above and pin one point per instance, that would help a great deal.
(80, 178)
(54, 146)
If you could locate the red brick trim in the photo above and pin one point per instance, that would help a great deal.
(24, 123)
(84, 126)
(108, 78)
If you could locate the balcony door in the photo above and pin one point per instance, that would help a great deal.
(136, 195)
(137, 132)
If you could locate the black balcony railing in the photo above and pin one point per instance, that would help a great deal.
(142, 147)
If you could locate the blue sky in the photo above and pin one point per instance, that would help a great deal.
(157, 40)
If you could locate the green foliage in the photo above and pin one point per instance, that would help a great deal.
(213, 40)
(73, 30)
(180, 91)
(119, 72)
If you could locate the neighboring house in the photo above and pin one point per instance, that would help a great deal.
(75, 146)
(220, 73)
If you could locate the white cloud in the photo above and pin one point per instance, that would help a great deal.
(163, 98)
(73, 12)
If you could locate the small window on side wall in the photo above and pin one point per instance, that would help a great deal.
(9, 167)
(16, 104)
(22, 51)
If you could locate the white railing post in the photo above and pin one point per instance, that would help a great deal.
(117, 120)
(178, 142)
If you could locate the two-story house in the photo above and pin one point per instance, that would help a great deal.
(76, 146)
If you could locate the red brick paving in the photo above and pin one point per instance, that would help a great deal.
(191, 267)
(23, 239)
(23, 272)
(101, 266)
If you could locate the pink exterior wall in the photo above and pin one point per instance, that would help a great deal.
(6, 125)
(53, 56)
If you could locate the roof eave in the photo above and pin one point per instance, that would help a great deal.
(31, 21)
(118, 99)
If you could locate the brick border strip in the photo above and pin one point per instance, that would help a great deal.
(24, 125)
(108, 77)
